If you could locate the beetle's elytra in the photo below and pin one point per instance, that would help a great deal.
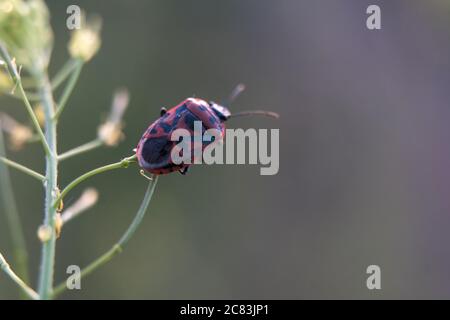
(154, 148)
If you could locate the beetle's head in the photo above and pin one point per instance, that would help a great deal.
(222, 112)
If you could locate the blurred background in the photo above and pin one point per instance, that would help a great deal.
(364, 152)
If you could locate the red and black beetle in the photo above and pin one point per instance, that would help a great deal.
(154, 149)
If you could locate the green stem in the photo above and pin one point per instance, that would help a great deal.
(34, 120)
(51, 188)
(81, 149)
(63, 73)
(22, 168)
(124, 163)
(69, 88)
(117, 248)
(13, 219)
(16, 78)
(25, 288)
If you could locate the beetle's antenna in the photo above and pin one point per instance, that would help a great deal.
(255, 113)
(234, 94)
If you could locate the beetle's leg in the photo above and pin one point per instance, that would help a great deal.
(184, 170)
(163, 111)
(142, 172)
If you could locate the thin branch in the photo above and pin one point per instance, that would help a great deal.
(16, 79)
(63, 73)
(23, 169)
(69, 88)
(124, 163)
(81, 149)
(26, 289)
(35, 121)
(117, 248)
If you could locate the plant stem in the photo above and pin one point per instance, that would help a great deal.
(124, 163)
(22, 168)
(117, 248)
(51, 186)
(63, 73)
(13, 219)
(81, 149)
(26, 289)
(35, 121)
(16, 79)
(69, 88)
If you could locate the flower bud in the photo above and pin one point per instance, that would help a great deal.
(40, 115)
(19, 134)
(87, 200)
(25, 30)
(19, 137)
(58, 225)
(85, 42)
(44, 233)
(110, 132)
